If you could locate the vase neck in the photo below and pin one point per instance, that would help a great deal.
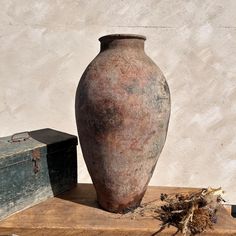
(122, 41)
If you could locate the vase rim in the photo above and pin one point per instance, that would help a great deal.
(121, 36)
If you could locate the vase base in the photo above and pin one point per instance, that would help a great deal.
(120, 207)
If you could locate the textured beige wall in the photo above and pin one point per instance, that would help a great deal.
(46, 45)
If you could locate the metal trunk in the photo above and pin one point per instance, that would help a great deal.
(35, 166)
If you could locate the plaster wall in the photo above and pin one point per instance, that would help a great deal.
(46, 45)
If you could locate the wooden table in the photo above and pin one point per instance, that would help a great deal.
(77, 213)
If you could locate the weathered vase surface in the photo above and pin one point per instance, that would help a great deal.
(122, 113)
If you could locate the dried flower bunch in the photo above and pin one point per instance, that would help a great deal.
(191, 213)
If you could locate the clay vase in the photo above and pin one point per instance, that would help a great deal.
(122, 114)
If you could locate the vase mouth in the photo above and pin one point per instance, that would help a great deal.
(110, 37)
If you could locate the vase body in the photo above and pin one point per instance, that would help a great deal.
(122, 114)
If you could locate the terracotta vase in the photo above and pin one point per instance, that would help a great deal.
(122, 113)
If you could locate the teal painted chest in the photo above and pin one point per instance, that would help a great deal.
(35, 166)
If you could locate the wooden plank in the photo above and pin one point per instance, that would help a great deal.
(77, 213)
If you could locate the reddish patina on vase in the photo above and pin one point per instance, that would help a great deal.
(122, 113)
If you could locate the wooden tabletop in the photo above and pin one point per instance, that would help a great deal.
(76, 213)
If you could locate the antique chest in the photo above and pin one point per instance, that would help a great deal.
(34, 166)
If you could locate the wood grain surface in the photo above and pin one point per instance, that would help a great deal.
(76, 213)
